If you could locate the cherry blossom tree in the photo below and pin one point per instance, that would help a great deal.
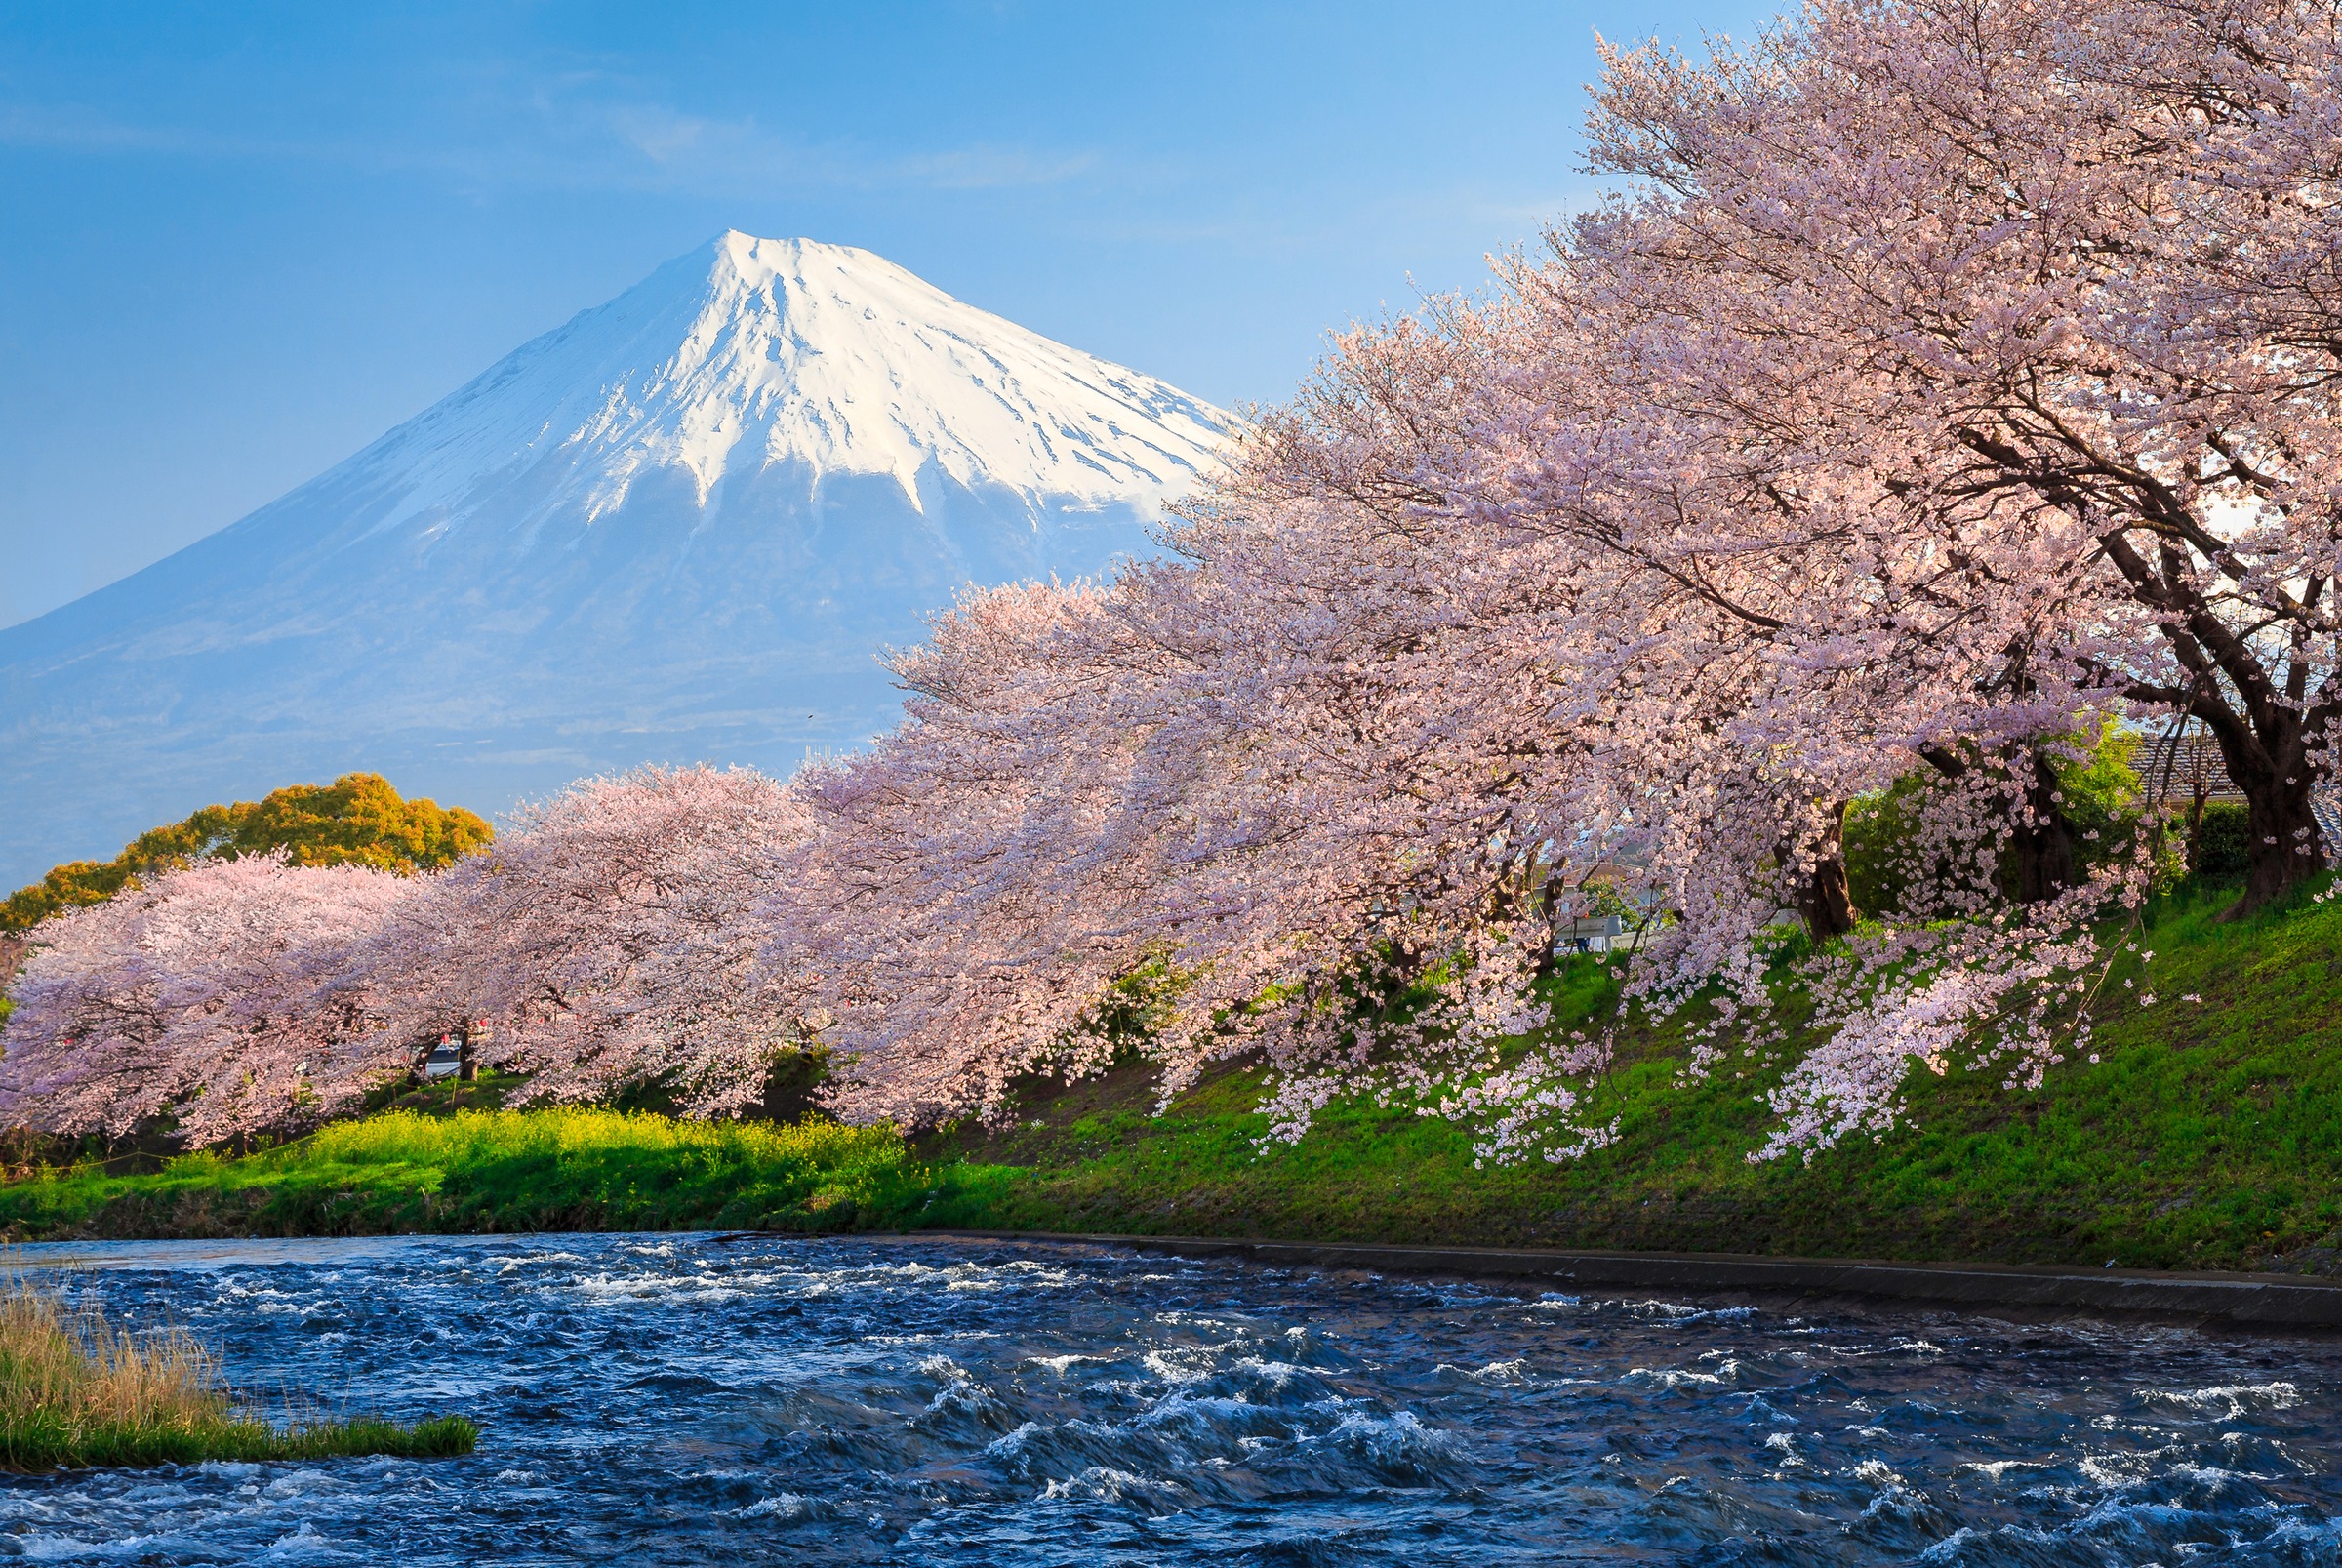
(200, 999)
(1829, 450)
(2034, 304)
(602, 942)
(1229, 770)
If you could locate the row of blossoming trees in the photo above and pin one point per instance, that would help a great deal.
(1942, 381)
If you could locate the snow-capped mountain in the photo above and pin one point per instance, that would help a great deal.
(678, 528)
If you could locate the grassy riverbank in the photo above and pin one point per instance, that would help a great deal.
(487, 1171)
(76, 1391)
(2208, 1137)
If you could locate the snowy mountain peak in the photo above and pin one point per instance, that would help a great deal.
(752, 353)
(677, 528)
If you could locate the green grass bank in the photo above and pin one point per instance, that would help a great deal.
(49, 1443)
(469, 1170)
(2209, 1136)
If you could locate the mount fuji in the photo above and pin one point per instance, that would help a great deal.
(678, 528)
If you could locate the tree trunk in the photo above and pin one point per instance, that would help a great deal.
(1827, 898)
(1548, 910)
(2261, 711)
(2282, 837)
(2041, 851)
(467, 1067)
(2041, 848)
(2287, 846)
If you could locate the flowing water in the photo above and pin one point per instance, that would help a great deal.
(707, 1399)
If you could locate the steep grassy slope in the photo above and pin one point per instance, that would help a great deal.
(2209, 1136)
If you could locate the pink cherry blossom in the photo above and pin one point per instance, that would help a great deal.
(202, 997)
(602, 941)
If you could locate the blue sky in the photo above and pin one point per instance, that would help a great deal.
(243, 240)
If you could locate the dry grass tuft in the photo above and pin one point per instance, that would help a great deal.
(75, 1391)
(74, 1363)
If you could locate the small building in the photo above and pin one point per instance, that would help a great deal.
(2185, 768)
(1598, 932)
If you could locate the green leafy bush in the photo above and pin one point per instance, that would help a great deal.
(550, 1168)
(2103, 798)
(2222, 847)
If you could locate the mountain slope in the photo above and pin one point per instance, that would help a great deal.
(677, 528)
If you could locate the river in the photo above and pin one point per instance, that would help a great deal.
(686, 1399)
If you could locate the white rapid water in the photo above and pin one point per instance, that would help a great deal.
(678, 528)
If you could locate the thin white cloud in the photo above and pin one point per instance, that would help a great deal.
(990, 168)
(1400, 223)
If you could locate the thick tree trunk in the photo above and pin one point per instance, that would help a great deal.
(2042, 839)
(2287, 846)
(467, 1067)
(1827, 898)
(1548, 910)
(2282, 842)
(2260, 711)
(2041, 851)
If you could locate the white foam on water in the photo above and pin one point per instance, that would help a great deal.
(1998, 1468)
(2114, 1471)
(781, 1506)
(1512, 1371)
(2230, 1400)
(1011, 1444)
(1683, 1312)
(303, 1482)
(229, 1468)
(612, 1289)
(1954, 1545)
(1062, 1364)
(1187, 1363)
(1680, 1378)
(305, 1544)
(1397, 1438)
(1106, 1484)
(1275, 1373)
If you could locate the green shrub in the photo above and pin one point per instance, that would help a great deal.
(356, 820)
(2222, 847)
(1883, 867)
(553, 1168)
